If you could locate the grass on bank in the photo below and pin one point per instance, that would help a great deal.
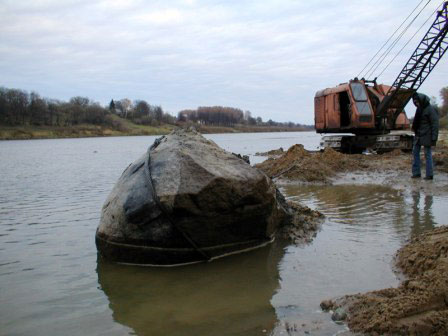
(122, 127)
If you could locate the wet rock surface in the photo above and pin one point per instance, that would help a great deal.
(339, 315)
(188, 200)
(419, 306)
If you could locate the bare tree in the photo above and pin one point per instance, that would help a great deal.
(141, 109)
(126, 105)
(17, 101)
(158, 113)
(38, 110)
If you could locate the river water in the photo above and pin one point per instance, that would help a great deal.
(53, 283)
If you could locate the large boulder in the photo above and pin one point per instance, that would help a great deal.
(187, 200)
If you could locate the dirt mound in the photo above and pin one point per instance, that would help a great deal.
(424, 253)
(419, 306)
(299, 164)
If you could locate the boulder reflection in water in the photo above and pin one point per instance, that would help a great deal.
(230, 295)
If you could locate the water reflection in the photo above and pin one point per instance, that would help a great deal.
(353, 252)
(371, 206)
(354, 204)
(422, 219)
(228, 296)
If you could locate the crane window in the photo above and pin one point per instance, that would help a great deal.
(363, 108)
(358, 92)
(362, 104)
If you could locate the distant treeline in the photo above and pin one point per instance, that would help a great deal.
(228, 116)
(19, 108)
(140, 112)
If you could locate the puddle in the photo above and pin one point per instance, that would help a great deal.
(364, 227)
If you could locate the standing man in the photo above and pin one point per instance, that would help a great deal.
(426, 129)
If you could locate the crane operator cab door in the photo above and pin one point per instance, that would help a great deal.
(344, 107)
(332, 109)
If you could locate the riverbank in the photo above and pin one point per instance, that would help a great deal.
(78, 131)
(126, 128)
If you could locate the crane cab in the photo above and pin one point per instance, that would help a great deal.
(345, 108)
(351, 108)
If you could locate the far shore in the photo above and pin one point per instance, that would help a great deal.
(89, 130)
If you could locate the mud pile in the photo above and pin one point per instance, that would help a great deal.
(419, 306)
(299, 164)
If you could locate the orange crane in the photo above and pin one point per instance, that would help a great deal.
(369, 111)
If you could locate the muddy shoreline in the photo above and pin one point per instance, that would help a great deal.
(328, 166)
(419, 306)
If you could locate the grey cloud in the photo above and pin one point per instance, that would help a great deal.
(265, 56)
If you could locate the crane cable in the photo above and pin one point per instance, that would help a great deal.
(375, 66)
(380, 60)
(385, 43)
(432, 15)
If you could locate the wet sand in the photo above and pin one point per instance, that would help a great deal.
(419, 306)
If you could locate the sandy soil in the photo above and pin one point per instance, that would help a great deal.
(301, 166)
(419, 306)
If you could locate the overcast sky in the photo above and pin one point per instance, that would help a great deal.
(265, 56)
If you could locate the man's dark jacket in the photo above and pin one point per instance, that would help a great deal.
(426, 121)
